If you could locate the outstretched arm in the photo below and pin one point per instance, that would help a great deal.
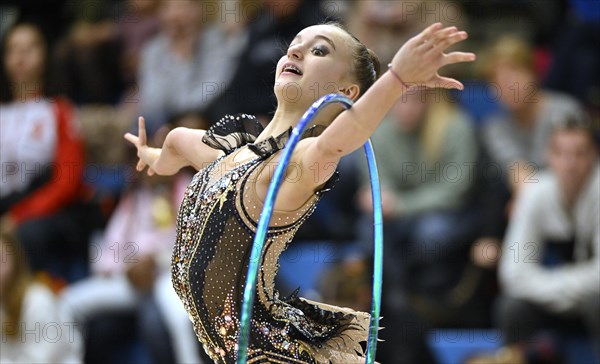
(416, 63)
(183, 147)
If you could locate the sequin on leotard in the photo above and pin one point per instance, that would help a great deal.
(216, 225)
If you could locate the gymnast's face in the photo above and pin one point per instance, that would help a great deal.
(318, 61)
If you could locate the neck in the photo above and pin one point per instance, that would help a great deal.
(184, 45)
(283, 119)
(572, 191)
(26, 91)
(288, 115)
(526, 115)
(570, 198)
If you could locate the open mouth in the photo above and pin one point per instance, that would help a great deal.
(292, 69)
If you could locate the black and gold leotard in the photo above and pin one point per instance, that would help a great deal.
(215, 230)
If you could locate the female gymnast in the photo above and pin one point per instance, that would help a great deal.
(222, 204)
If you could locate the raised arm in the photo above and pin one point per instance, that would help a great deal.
(183, 147)
(416, 63)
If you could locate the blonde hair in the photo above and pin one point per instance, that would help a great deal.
(508, 49)
(20, 279)
(438, 117)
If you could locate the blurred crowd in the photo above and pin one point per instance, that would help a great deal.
(491, 196)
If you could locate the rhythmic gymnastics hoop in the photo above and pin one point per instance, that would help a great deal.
(265, 217)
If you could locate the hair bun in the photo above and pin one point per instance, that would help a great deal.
(366, 63)
(375, 62)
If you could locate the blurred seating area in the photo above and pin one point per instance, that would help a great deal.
(491, 195)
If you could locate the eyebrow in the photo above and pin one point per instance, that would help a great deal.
(317, 36)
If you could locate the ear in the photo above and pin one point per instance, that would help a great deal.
(351, 91)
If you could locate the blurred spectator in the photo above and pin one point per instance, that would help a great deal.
(52, 19)
(550, 266)
(35, 327)
(139, 24)
(188, 64)
(132, 269)
(86, 64)
(426, 151)
(41, 156)
(516, 139)
(275, 25)
(385, 25)
(336, 209)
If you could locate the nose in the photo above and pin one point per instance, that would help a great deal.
(295, 52)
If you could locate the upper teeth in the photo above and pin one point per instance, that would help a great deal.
(292, 68)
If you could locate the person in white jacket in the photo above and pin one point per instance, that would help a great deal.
(550, 265)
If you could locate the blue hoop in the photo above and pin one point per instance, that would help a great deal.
(265, 217)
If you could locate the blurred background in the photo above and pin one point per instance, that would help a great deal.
(490, 195)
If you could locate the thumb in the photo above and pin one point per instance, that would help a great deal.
(447, 82)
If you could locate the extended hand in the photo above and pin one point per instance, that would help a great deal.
(146, 155)
(419, 59)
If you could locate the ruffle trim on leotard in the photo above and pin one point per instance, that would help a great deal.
(273, 144)
(232, 132)
(332, 334)
(235, 131)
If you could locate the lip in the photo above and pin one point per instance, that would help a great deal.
(288, 63)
